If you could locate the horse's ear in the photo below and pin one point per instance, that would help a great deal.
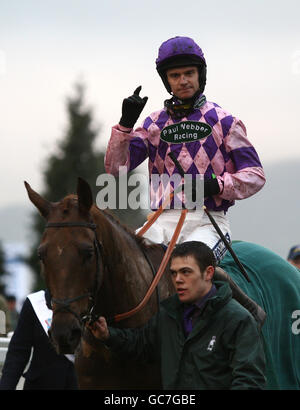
(85, 195)
(41, 204)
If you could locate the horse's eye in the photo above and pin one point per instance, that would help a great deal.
(88, 253)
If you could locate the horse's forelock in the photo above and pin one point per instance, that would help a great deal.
(68, 203)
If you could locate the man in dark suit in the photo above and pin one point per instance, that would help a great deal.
(47, 369)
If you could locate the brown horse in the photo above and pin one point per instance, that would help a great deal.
(92, 264)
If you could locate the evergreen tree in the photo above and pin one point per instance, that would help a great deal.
(75, 156)
(3, 271)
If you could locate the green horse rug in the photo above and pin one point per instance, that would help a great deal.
(275, 286)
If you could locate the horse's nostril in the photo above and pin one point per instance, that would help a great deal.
(65, 339)
(75, 336)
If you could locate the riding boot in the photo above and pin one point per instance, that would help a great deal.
(257, 312)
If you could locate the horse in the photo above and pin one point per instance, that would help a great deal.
(90, 261)
(95, 264)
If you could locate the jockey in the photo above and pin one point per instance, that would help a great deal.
(207, 141)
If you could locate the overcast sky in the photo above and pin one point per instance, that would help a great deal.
(252, 48)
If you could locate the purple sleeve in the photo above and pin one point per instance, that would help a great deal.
(246, 175)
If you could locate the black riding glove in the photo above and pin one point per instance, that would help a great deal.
(132, 108)
(211, 187)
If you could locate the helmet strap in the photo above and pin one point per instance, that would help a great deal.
(182, 108)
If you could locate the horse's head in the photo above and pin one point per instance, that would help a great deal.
(71, 263)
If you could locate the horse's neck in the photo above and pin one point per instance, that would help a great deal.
(116, 240)
(127, 273)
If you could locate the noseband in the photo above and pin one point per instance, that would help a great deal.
(64, 304)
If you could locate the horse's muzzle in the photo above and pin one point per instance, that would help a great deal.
(65, 336)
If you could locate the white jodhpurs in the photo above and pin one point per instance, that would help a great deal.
(196, 227)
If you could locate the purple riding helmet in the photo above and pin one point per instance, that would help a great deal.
(179, 52)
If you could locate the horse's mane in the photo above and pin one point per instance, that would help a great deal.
(139, 239)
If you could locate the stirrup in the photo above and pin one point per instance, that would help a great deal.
(257, 312)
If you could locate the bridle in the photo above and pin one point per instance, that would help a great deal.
(64, 304)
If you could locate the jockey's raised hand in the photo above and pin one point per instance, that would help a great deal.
(132, 108)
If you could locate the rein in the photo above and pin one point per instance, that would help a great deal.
(64, 304)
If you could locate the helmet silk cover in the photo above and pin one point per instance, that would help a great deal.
(180, 52)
